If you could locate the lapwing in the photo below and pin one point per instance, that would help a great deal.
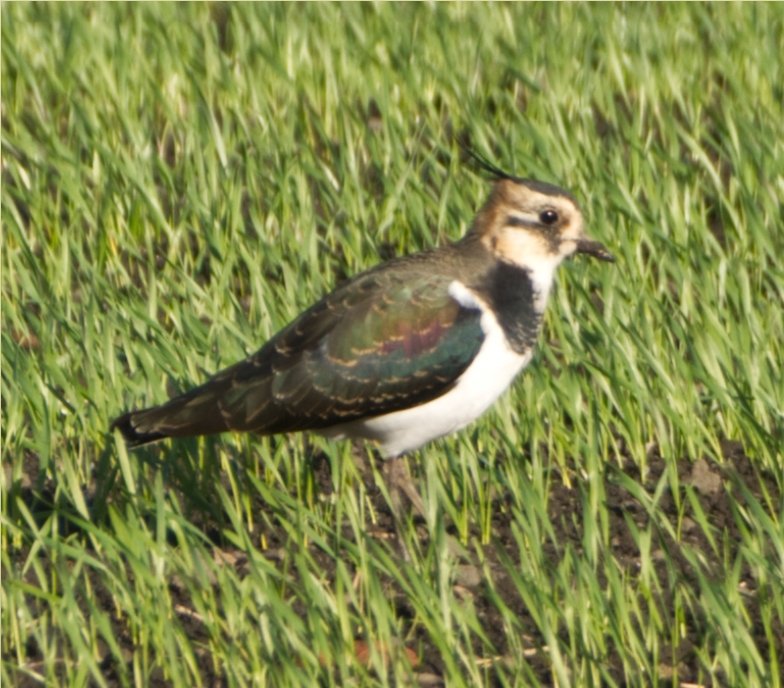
(406, 352)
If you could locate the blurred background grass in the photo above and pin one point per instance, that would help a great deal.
(179, 181)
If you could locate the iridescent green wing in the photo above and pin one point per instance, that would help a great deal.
(387, 340)
(384, 342)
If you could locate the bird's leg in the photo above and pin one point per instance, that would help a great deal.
(360, 458)
(398, 483)
(398, 479)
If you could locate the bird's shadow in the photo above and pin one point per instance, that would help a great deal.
(189, 470)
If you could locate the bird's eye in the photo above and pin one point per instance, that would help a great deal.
(548, 217)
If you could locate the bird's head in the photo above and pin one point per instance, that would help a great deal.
(531, 224)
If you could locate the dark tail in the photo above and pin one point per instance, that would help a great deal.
(126, 424)
(194, 413)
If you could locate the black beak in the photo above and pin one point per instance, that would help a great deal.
(595, 249)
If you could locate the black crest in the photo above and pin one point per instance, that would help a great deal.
(484, 164)
(498, 173)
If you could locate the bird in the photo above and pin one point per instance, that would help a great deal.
(408, 351)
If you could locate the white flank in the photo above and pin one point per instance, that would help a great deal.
(488, 376)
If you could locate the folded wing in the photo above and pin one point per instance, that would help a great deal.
(383, 342)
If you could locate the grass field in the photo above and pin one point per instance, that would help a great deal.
(179, 181)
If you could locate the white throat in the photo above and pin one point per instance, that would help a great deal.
(542, 274)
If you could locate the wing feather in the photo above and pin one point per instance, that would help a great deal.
(387, 340)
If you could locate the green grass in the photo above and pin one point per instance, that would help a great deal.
(179, 181)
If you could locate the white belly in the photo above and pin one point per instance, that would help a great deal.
(488, 376)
